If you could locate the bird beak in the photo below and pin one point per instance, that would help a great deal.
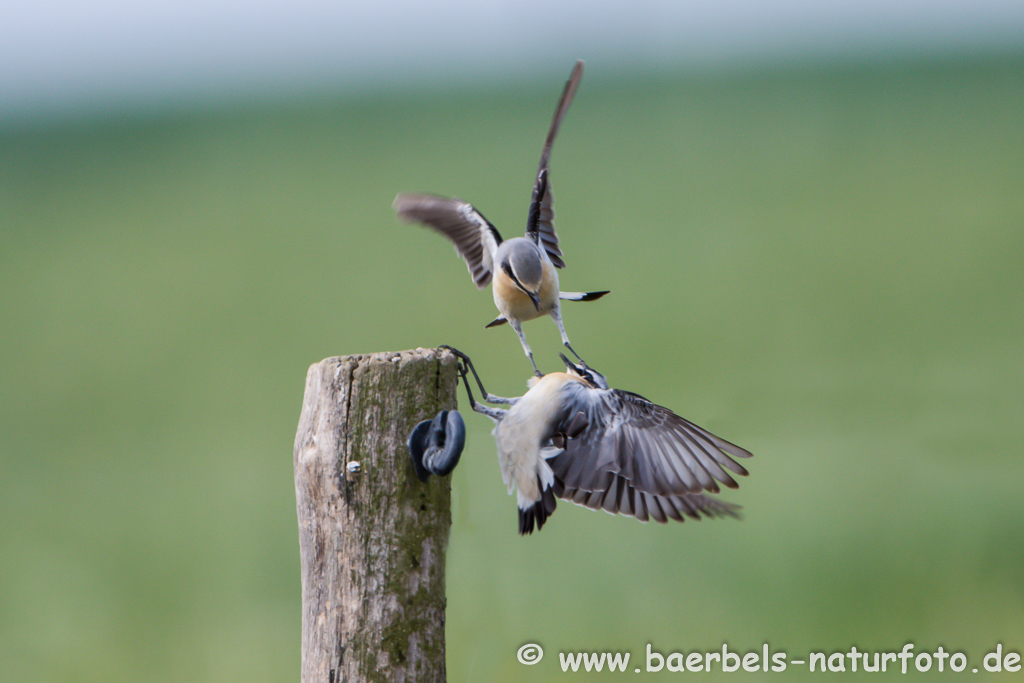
(535, 299)
(569, 365)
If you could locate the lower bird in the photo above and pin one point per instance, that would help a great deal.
(572, 437)
(523, 268)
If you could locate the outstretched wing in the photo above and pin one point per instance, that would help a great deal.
(647, 446)
(540, 221)
(619, 497)
(475, 239)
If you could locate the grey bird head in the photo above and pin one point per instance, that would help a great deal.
(582, 371)
(524, 258)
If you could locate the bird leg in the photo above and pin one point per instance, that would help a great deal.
(494, 413)
(467, 363)
(556, 313)
(518, 327)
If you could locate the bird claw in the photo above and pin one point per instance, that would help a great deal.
(455, 352)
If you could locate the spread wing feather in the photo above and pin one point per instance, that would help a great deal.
(651, 449)
(540, 221)
(475, 238)
(619, 497)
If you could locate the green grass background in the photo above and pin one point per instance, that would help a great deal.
(822, 264)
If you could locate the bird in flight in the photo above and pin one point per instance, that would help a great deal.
(522, 270)
(572, 437)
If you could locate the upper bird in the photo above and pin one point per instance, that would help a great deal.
(572, 437)
(523, 268)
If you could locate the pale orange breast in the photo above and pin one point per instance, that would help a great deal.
(512, 302)
(548, 293)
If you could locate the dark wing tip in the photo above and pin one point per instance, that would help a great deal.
(577, 70)
(416, 207)
(406, 204)
(526, 521)
(401, 207)
(720, 508)
(537, 513)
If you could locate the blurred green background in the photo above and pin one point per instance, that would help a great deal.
(822, 264)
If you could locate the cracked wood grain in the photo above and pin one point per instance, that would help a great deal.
(372, 543)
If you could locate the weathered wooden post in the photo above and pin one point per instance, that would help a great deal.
(372, 538)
